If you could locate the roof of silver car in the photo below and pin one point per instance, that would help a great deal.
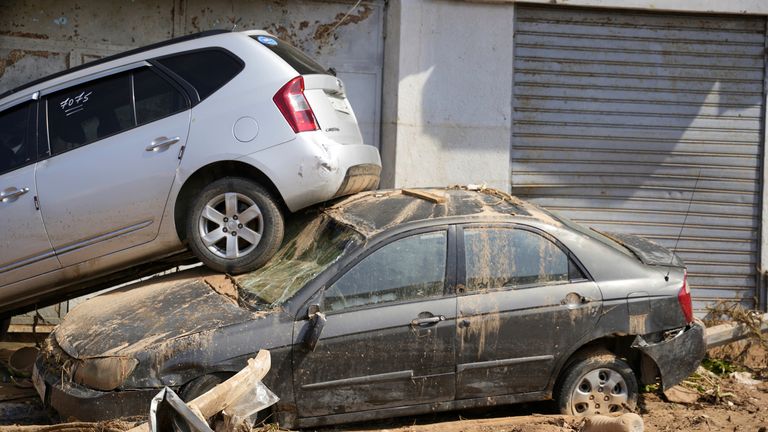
(114, 57)
(373, 212)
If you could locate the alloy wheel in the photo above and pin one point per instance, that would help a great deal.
(231, 225)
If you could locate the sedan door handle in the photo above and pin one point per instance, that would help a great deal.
(575, 299)
(7, 196)
(427, 321)
(162, 142)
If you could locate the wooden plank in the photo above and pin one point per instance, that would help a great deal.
(428, 196)
(724, 334)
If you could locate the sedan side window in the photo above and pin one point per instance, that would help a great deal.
(15, 148)
(89, 112)
(505, 257)
(406, 269)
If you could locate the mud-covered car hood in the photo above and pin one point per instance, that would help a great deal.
(647, 251)
(131, 319)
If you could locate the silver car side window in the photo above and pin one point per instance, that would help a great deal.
(155, 98)
(89, 112)
(16, 149)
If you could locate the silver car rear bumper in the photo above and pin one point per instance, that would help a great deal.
(312, 168)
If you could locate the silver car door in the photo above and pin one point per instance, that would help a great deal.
(112, 162)
(25, 250)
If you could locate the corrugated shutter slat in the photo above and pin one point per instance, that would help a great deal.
(617, 113)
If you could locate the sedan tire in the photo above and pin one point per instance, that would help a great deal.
(599, 384)
(234, 225)
(191, 391)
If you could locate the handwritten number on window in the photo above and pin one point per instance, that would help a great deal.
(72, 105)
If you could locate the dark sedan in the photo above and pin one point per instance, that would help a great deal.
(395, 303)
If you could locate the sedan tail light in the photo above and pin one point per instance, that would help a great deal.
(684, 297)
(291, 102)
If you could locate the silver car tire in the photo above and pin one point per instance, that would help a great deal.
(234, 225)
(599, 384)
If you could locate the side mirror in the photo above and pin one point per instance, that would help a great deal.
(316, 323)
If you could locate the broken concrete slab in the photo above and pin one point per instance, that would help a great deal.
(680, 394)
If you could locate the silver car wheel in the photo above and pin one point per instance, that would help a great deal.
(600, 391)
(231, 225)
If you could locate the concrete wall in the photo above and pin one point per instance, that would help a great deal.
(448, 92)
(44, 36)
(39, 37)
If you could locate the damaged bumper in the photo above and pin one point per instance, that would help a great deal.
(676, 357)
(72, 400)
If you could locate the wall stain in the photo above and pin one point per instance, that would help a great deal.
(325, 31)
(16, 55)
(24, 34)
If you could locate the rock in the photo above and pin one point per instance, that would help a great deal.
(625, 423)
(680, 394)
(744, 378)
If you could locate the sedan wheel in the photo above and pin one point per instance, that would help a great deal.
(234, 225)
(601, 384)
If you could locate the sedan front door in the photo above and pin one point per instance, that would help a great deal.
(390, 333)
(524, 304)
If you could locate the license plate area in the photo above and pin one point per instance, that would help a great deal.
(339, 104)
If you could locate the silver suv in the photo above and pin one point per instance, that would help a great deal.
(108, 171)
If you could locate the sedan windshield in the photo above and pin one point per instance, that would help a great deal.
(312, 243)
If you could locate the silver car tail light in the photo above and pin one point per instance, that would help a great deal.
(291, 102)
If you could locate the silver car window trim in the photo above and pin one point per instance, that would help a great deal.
(102, 237)
(20, 100)
(94, 76)
(28, 261)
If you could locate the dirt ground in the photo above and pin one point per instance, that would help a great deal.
(724, 404)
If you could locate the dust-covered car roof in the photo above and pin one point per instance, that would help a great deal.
(373, 212)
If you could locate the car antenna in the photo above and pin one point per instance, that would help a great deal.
(682, 227)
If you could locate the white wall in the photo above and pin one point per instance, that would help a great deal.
(448, 92)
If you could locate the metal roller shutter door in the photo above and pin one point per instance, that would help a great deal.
(617, 113)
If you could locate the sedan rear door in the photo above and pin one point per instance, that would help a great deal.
(390, 332)
(524, 303)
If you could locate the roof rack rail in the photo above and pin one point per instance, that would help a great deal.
(115, 57)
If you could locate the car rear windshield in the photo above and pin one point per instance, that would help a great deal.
(312, 243)
(303, 64)
(590, 232)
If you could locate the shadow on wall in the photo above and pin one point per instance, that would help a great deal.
(454, 112)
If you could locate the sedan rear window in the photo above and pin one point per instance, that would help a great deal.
(303, 64)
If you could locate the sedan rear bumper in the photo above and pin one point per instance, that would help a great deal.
(676, 357)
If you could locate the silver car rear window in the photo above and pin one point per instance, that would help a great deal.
(303, 64)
